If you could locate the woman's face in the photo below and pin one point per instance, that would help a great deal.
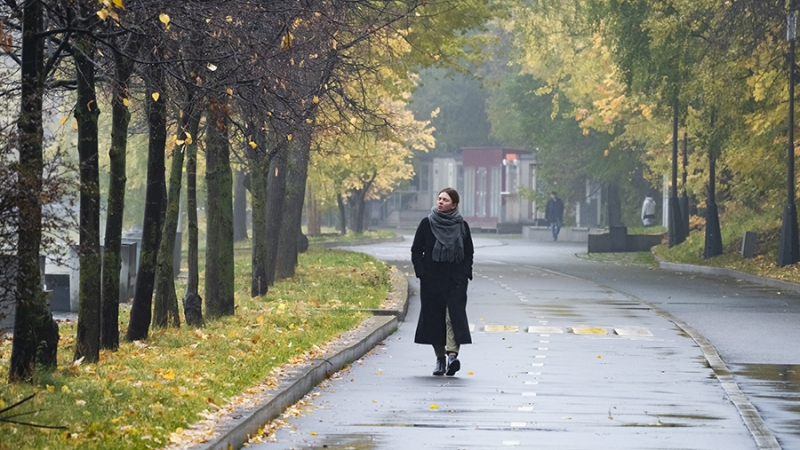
(445, 203)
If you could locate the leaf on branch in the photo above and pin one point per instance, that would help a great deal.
(126, 102)
(155, 96)
(89, 105)
(253, 145)
(289, 137)
(187, 138)
(163, 18)
(211, 67)
(63, 120)
(103, 14)
(229, 91)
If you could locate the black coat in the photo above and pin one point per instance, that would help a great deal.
(554, 210)
(443, 285)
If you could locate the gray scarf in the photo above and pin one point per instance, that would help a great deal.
(448, 229)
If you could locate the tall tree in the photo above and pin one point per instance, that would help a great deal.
(112, 260)
(141, 310)
(31, 312)
(239, 208)
(219, 213)
(258, 168)
(192, 302)
(87, 343)
(166, 300)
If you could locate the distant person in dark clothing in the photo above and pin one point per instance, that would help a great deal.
(442, 256)
(554, 213)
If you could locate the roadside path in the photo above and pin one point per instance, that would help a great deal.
(558, 362)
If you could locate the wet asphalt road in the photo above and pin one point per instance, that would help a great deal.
(645, 384)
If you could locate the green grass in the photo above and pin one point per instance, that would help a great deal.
(645, 259)
(331, 235)
(732, 228)
(135, 397)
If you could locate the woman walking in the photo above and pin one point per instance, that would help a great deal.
(442, 255)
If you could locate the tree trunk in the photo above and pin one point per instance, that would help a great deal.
(219, 243)
(239, 209)
(31, 311)
(258, 191)
(291, 228)
(342, 214)
(151, 233)
(121, 117)
(276, 198)
(87, 343)
(165, 311)
(192, 302)
(713, 241)
(313, 220)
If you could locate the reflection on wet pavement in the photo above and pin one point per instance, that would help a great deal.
(775, 391)
(349, 442)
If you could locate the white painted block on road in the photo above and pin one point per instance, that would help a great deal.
(519, 424)
(525, 408)
(546, 330)
(511, 443)
(633, 331)
(529, 394)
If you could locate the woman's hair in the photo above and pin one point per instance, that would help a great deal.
(452, 193)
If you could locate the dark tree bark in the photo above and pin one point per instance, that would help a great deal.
(32, 313)
(87, 343)
(257, 160)
(141, 313)
(713, 241)
(358, 205)
(239, 209)
(342, 214)
(165, 311)
(291, 230)
(112, 262)
(276, 198)
(313, 220)
(192, 302)
(219, 243)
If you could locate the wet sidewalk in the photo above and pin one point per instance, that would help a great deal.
(557, 363)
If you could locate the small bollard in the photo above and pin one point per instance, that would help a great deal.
(749, 242)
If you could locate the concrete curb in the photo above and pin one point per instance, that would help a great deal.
(237, 428)
(750, 416)
(722, 271)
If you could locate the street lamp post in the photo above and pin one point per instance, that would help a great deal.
(789, 248)
(676, 232)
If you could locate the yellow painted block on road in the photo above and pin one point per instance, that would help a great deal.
(590, 330)
(494, 328)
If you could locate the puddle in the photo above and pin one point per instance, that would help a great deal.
(775, 391)
(349, 442)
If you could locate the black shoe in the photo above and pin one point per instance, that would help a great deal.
(441, 363)
(453, 364)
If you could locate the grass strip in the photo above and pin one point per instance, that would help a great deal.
(135, 397)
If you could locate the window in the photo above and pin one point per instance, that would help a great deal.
(480, 193)
(494, 192)
(468, 194)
